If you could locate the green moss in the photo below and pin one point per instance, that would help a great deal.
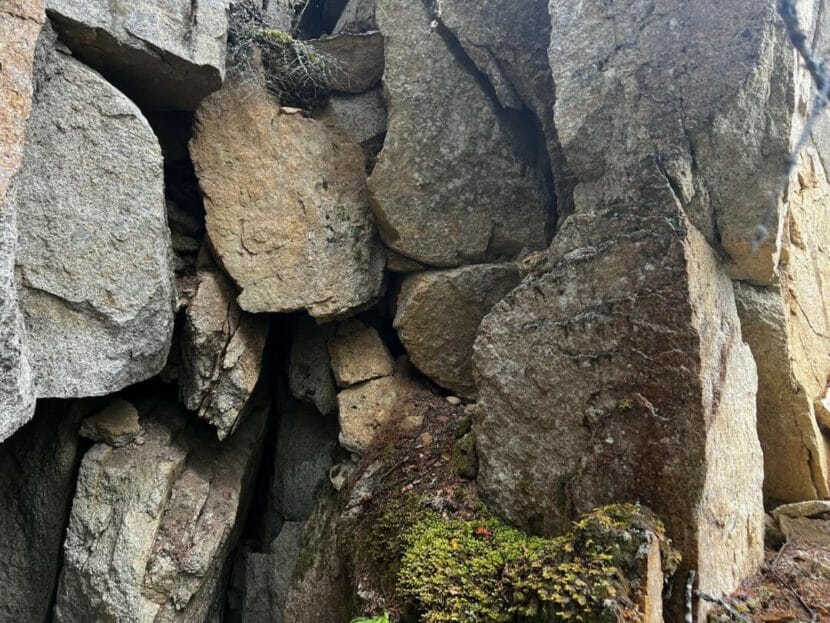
(458, 571)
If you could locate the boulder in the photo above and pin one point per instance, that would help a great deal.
(619, 374)
(358, 60)
(165, 55)
(153, 525)
(363, 115)
(287, 209)
(358, 354)
(357, 16)
(20, 24)
(221, 352)
(309, 367)
(38, 464)
(451, 185)
(805, 524)
(438, 315)
(116, 425)
(95, 284)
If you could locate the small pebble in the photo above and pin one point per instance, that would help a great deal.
(454, 400)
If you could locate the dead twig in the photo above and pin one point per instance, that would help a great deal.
(793, 592)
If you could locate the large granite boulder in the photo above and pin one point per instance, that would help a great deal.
(20, 24)
(287, 208)
(221, 351)
(93, 253)
(38, 464)
(438, 315)
(153, 523)
(167, 55)
(452, 184)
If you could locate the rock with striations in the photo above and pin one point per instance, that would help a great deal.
(167, 55)
(221, 351)
(287, 209)
(451, 185)
(39, 464)
(95, 283)
(153, 524)
(20, 25)
(358, 354)
(438, 316)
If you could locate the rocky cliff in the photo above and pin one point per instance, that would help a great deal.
(423, 310)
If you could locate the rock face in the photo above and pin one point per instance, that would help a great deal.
(287, 212)
(357, 16)
(359, 60)
(450, 187)
(38, 466)
(20, 24)
(152, 525)
(358, 354)
(165, 54)
(221, 352)
(309, 368)
(93, 248)
(438, 316)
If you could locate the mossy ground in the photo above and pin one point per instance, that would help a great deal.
(422, 545)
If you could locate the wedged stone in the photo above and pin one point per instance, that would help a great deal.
(304, 454)
(309, 368)
(287, 209)
(438, 315)
(38, 466)
(809, 509)
(363, 115)
(221, 351)
(95, 284)
(152, 525)
(167, 55)
(358, 59)
(450, 187)
(365, 408)
(358, 354)
(116, 425)
(20, 24)
(357, 16)
(619, 374)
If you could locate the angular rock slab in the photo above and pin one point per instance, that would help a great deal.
(221, 352)
(309, 368)
(287, 209)
(166, 54)
(358, 60)
(619, 374)
(20, 25)
(358, 354)
(438, 316)
(152, 525)
(93, 253)
(449, 188)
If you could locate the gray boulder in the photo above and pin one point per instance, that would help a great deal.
(309, 368)
(92, 262)
(167, 55)
(450, 186)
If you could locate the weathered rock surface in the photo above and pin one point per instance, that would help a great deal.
(166, 54)
(221, 352)
(304, 454)
(450, 187)
(358, 60)
(93, 248)
(619, 373)
(20, 24)
(309, 368)
(115, 425)
(152, 525)
(363, 115)
(438, 316)
(365, 408)
(358, 354)
(286, 203)
(38, 465)
(805, 524)
(357, 16)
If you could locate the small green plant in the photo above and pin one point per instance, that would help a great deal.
(381, 618)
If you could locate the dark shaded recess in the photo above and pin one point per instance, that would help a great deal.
(38, 470)
(319, 17)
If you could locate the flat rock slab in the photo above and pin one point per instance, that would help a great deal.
(221, 351)
(116, 425)
(448, 188)
(438, 316)
(287, 209)
(166, 54)
(93, 253)
(358, 354)
(20, 25)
